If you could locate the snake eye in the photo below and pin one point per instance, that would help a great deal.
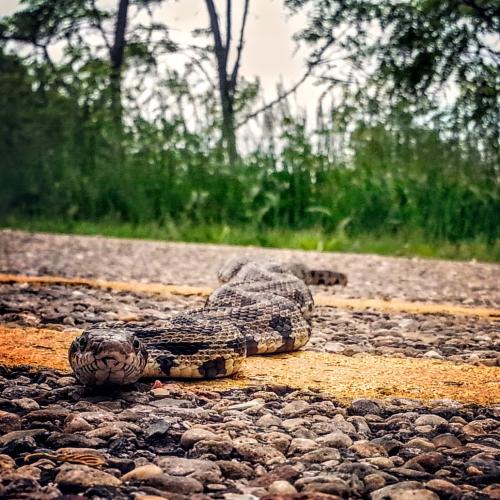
(82, 342)
(136, 344)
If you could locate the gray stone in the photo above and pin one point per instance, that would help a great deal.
(296, 408)
(337, 439)
(400, 491)
(257, 453)
(432, 420)
(192, 436)
(366, 449)
(83, 477)
(9, 422)
(365, 407)
(320, 455)
(202, 470)
(281, 488)
(141, 473)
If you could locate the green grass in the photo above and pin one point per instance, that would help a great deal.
(397, 245)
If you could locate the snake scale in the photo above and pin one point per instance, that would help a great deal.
(260, 308)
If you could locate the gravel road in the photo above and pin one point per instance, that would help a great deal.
(370, 276)
(271, 442)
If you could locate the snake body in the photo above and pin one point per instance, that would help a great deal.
(260, 308)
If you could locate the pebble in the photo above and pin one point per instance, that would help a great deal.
(201, 470)
(175, 484)
(71, 477)
(364, 407)
(446, 441)
(9, 422)
(443, 488)
(301, 446)
(295, 408)
(282, 488)
(366, 449)
(256, 453)
(192, 436)
(142, 473)
(431, 420)
(268, 420)
(410, 490)
(337, 439)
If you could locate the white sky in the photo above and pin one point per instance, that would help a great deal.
(270, 52)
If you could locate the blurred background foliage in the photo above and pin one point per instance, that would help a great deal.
(108, 138)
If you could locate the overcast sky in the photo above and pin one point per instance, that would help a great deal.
(270, 52)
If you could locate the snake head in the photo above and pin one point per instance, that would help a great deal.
(107, 356)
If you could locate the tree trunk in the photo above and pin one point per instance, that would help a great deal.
(116, 55)
(227, 79)
(228, 125)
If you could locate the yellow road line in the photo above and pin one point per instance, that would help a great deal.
(320, 299)
(344, 378)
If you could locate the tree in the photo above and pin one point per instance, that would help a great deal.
(227, 78)
(419, 50)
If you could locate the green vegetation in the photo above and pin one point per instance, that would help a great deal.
(305, 239)
(370, 176)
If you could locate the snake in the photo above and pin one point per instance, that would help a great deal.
(259, 308)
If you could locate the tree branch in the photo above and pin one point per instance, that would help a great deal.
(310, 68)
(234, 74)
(219, 47)
(228, 25)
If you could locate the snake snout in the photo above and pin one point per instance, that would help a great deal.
(100, 356)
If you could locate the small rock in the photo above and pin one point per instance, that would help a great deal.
(9, 422)
(446, 441)
(81, 477)
(420, 443)
(330, 485)
(301, 446)
(374, 481)
(337, 439)
(48, 414)
(221, 448)
(432, 420)
(430, 461)
(247, 405)
(283, 473)
(142, 473)
(364, 407)
(282, 488)
(260, 454)
(6, 463)
(175, 484)
(444, 488)
(157, 429)
(366, 449)
(192, 436)
(233, 469)
(320, 455)
(18, 435)
(268, 420)
(380, 462)
(27, 404)
(432, 355)
(480, 427)
(296, 408)
(492, 491)
(74, 423)
(202, 470)
(402, 491)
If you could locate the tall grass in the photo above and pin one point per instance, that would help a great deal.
(393, 180)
